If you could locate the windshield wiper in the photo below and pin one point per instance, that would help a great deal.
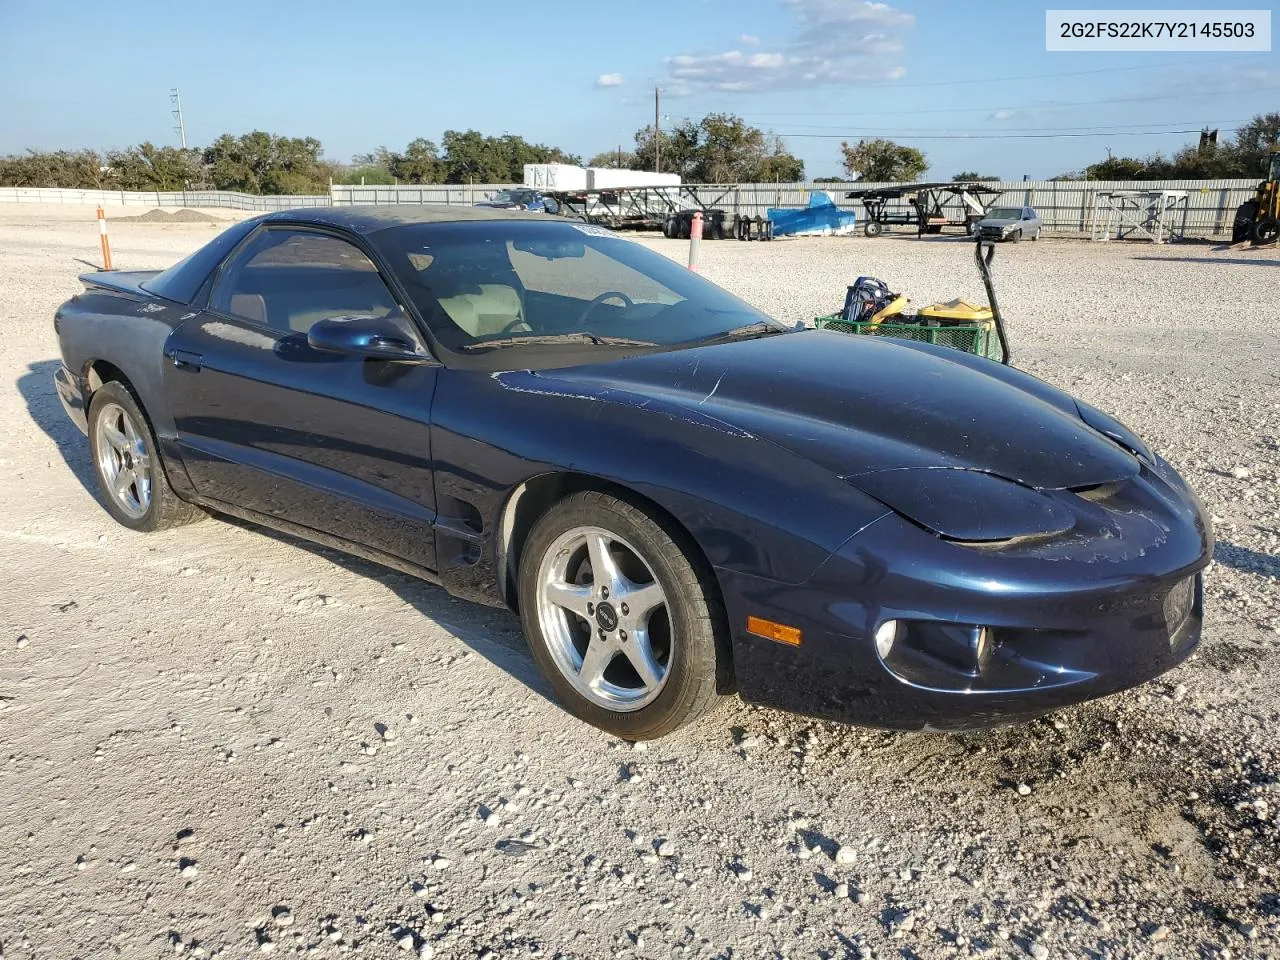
(748, 331)
(594, 339)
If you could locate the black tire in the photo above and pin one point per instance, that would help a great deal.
(669, 228)
(1015, 236)
(1266, 230)
(684, 227)
(699, 661)
(1246, 215)
(164, 509)
(872, 228)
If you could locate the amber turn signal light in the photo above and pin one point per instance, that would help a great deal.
(774, 631)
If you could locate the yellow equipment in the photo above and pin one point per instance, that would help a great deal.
(1258, 219)
(956, 311)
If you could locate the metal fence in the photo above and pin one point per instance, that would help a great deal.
(1065, 207)
(154, 198)
(466, 194)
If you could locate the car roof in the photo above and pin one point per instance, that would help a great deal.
(370, 219)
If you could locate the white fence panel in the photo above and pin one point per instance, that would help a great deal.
(1065, 206)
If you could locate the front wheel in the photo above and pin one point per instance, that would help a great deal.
(872, 229)
(126, 461)
(1015, 236)
(1266, 231)
(624, 626)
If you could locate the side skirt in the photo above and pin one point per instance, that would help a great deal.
(323, 539)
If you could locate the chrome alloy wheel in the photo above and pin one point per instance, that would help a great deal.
(123, 463)
(605, 618)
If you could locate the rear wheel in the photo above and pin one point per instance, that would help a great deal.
(1242, 229)
(625, 628)
(1266, 230)
(126, 461)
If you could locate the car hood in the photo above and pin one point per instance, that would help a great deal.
(862, 405)
(997, 222)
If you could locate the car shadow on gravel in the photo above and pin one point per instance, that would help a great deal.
(36, 388)
(493, 633)
(1242, 558)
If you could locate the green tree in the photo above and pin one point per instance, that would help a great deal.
(720, 148)
(83, 169)
(882, 161)
(420, 163)
(1243, 156)
(148, 167)
(260, 162)
(472, 157)
(614, 160)
(970, 175)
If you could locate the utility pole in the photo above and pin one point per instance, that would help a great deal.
(181, 129)
(657, 134)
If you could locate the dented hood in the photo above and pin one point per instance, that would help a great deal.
(860, 405)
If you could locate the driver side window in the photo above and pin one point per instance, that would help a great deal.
(290, 279)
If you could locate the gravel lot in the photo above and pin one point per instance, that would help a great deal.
(220, 741)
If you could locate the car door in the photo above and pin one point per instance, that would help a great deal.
(335, 443)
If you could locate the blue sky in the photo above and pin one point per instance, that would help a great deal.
(967, 82)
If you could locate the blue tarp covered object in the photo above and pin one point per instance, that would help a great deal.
(821, 216)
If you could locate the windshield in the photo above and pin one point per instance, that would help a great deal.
(1274, 174)
(504, 196)
(521, 284)
(1005, 213)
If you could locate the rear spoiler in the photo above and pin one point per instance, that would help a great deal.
(119, 281)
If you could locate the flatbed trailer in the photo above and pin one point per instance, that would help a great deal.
(669, 209)
(927, 206)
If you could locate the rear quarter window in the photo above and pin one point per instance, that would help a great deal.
(181, 282)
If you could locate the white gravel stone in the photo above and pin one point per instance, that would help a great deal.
(845, 856)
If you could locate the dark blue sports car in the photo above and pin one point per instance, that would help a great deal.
(680, 496)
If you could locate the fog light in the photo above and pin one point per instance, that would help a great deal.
(886, 634)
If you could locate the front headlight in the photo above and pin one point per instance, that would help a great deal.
(1109, 426)
(966, 505)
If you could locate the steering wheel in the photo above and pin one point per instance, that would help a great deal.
(518, 321)
(607, 295)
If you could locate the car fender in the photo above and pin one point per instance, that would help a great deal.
(748, 505)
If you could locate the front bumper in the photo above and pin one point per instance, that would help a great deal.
(1071, 622)
(71, 392)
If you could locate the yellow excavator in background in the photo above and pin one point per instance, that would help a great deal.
(1259, 219)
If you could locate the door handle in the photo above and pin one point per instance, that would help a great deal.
(186, 360)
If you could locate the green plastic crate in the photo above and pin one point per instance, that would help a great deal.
(979, 338)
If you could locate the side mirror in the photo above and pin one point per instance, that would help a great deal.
(373, 337)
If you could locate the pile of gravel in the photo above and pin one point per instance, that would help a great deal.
(162, 216)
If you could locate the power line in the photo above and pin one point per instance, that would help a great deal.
(996, 136)
(1223, 124)
(1037, 76)
(1005, 106)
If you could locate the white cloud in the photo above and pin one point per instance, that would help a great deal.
(836, 42)
(609, 80)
